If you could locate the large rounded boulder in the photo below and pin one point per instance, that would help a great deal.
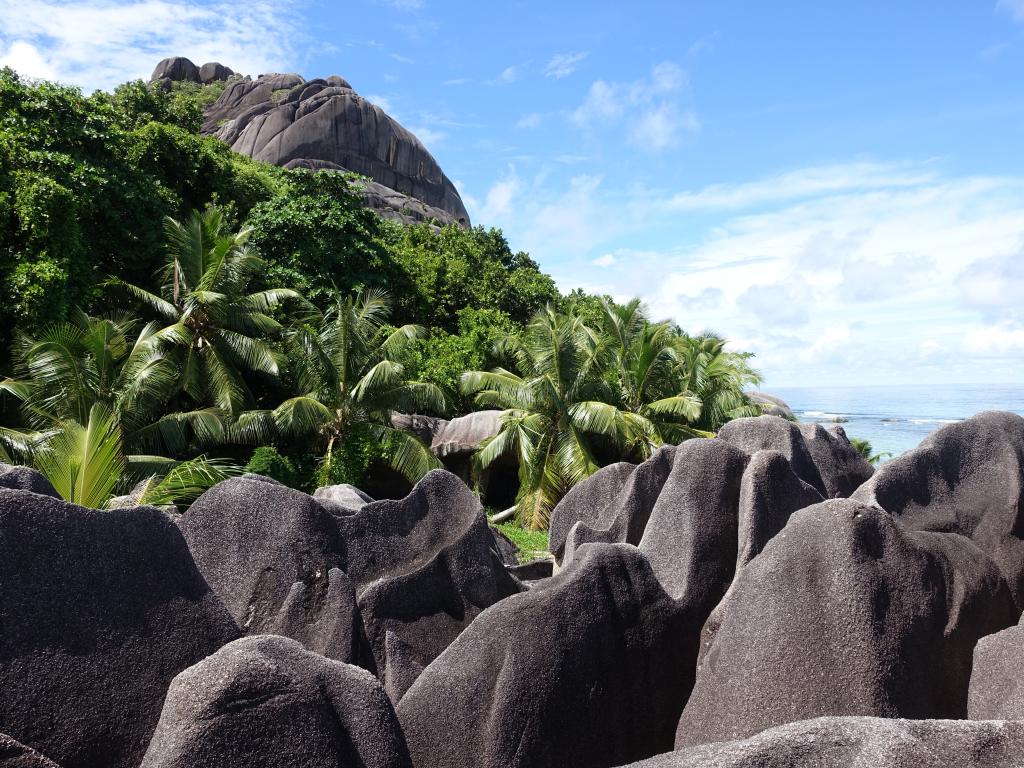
(822, 458)
(965, 478)
(585, 670)
(21, 478)
(99, 610)
(275, 558)
(267, 701)
(846, 613)
(997, 679)
(424, 567)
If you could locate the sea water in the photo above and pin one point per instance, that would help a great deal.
(896, 419)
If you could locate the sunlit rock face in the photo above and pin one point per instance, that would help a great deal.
(323, 124)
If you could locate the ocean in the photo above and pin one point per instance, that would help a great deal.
(896, 419)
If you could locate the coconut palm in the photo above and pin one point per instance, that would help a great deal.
(85, 463)
(348, 369)
(554, 407)
(93, 399)
(718, 378)
(644, 357)
(215, 328)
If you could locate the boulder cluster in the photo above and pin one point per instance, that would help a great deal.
(762, 598)
(323, 124)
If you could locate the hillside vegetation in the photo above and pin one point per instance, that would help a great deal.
(165, 300)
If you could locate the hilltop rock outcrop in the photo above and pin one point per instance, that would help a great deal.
(266, 701)
(99, 610)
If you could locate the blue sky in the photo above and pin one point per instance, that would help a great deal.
(838, 189)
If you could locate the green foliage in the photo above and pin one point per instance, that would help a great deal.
(317, 237)
(865, 449)
(452, 269)
(85, 183)
(532, 544)
(353, 456)
(266, 460)
(441, 357)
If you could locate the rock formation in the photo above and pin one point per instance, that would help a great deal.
(425, 567)
(846, 613)
(25, 479)
(15, 755)
(266, 701)
(997, 686)
(584, 671)
(861, 742)
(98, 611)
(323, 124)
(771, 405)
(966, 478)
(822, 458)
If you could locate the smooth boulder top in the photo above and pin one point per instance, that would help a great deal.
(822, 458)
(425, 567)
(253, 540)
(600, 496)
(965, 478)
(465, 434)
(861, 742)
(344, 498)
(20, 478)
(772, 405)
(266, 701)
(288, 121)
(583, 670)
(181, 69)
(997, 682)
(99, 609)
(15, 755)
(846, 613)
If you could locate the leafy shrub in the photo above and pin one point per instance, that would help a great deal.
(266, 460)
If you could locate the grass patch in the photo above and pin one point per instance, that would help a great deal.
(532, 544)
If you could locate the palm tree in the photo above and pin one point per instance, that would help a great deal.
(89, 394)
(85, 463)
(349, 371)
(717, 377)
(553, 409)
(645, 359)
(216, 329)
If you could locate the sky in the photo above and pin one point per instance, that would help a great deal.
(836, 187)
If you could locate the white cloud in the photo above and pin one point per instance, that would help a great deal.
(861, 272)
(403, 5)
(651, 106)
(101, 43)
(381, 101)
(402, 59)
(530, 121)
(1013, 7)
(563, 64)
(429, 137)
(508, 75)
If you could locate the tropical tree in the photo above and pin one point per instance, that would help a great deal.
(94, 402)
(717, 377)
(644, 359)
(555, 405)
(349, 372)
(865, 449)
(215, 328)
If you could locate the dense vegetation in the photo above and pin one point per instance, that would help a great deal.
(264, 315)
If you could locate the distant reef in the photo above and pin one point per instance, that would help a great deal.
(323, 124)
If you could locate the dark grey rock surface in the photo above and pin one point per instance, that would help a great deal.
(846, 613)
(17, 477)
(425, 566)
(966, 478)
(821, 458)
(997, 678)
(323, 124)
(99, 610)
(861, 742)
(583, 670)
(15, 755)
(267, 701)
